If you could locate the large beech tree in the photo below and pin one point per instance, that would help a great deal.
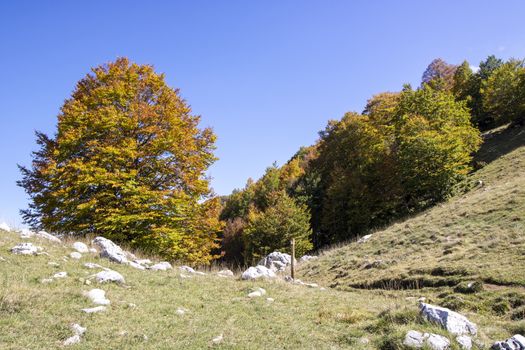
(127, 162)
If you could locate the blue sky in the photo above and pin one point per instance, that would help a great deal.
(266, 75)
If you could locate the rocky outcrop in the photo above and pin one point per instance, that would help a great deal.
(276, 261)
(109, 276)
(464, 341)
(162, 266)
(48, 236)
(25, 249)
(451, 321)
(415, 339)
(110, 250)
(516, 342)
(80, 247)
(256, 272)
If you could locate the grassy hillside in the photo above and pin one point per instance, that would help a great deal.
(476, 236)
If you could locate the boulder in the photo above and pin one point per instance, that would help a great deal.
(110, 250)
(415, 339)
(464, 341)
(187, 269)
(451, 321)
(305, 258)
(93, 310)
(516, 342)
(276, 261)
(25, 249)
(162, 266)
(50, 237)
(143, 262)
(80, 247)
(109, 276)
(364, 238)
(62, 274)
(225, 273)
(256, 272)
(25, 233)
(5, 227)
(259, 292)
(136, 265)
(97, 297)
(75, 255)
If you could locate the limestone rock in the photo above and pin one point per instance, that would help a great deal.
(162, 266)
(225, 273)
(80, 247)
(50, 237)
(464, 341)
(91, 265)
(62, 274)
(136, 265)
(181, 311)
(109, 276)
(305, 258)
(276, 261)
(256, 272)
(451, 321)
(415, 339)
(75, 255)
(364, 238)
(25, 249)
(78, 331)
(516, 342)
(46, 280)
(259, 292)
(110, 250)
(218, 339)
(93, 310)
(93, 250)
(187, 269)
(25, 233)
(97, 297)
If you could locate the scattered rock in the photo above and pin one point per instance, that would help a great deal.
(93, 250)
(110, 250)
(25, 249)
(301, 283)
(464, 341)
(80, 247)
(78, 331)
(415, 339)
(136, 265)
(62, 274)
(259, 292)
(54, 264)
(109, 276)
(187, 269)
(225, 273)
(50, 237)
(218, 339)
(143, 262)
(256, 272)
(75, 255)
(184, 276)
(46, 280)
(25, 233)
(94, 310)
(5, 227)
(181, 311)
(364, 238)
(97, 297)
(451, 321)
(305, 258)
(276, 261)
(162, 266)
(132, 306)
(270, 300)
(91, 265)
(469, 287)
(516, 342)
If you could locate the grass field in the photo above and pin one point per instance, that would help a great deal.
(371, 296)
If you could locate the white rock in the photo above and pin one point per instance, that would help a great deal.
(110, 250)
(186, 269)
(225, 273)
(25, 233)
(299, 282)
(415, 339)
(93, 250)
(5, 227)
(162, 266)
(46, 280)
(184, 276)
(143, 262)
(307, 258)
(276, 261)
(45, 235)
(93, 310)
(91, 265)
(75, 255)
(80, 247)
(181, 311)
(256, 272)
(54, 264)
(62, 274)
(516, 342)
(270, 300)
(137, 266)
(25, 249)
(78, 331)
(109, 276)
(259, 292)
(364, 238)
(451, 321)
(72, 340)
(217, 339)
(97, 297)
(464, 341)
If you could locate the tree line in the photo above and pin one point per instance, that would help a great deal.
(128, 162)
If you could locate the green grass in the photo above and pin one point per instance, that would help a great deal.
(476, 236)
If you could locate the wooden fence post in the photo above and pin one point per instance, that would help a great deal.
(293, 258)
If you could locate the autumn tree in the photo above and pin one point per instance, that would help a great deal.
(127, 162)
(439, 75)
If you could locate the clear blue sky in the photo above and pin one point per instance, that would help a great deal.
(266, 75)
